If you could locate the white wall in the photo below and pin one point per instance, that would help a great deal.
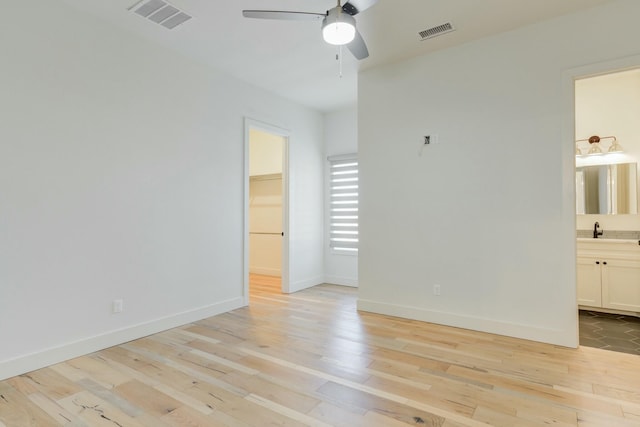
(121, 176)
(341, 137)
(609, 105)
(489, 213)
(306, 215)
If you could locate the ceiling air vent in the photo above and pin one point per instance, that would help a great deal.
(436, 31)
(160, 12)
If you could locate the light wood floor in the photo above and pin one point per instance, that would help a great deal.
(261, 285)
(311, 359)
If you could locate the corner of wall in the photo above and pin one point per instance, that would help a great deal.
(341, 281)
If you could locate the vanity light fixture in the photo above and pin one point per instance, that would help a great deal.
(595, 148)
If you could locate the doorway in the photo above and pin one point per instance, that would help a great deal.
(266, 209)
(607, 103)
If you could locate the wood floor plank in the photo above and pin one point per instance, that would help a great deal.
(286, 411)
(21, 384)
(257, 414)
(97, 370)
(96, 412)
(188, 417)
(59, 414)
(337, 415)
(16, 410)
(52, 384)
(262, 388)
(148, 398)
(433, 396)
(278, 374)
(310, 358)
(370, 402)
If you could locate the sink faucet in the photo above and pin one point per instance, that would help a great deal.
(596, 233)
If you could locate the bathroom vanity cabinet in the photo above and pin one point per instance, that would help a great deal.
(608, 275)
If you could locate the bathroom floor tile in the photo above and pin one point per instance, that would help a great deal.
(610, 331)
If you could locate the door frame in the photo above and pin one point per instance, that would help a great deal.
(568, 150)
(254, 124)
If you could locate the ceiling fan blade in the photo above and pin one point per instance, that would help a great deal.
(358, 47)
(283, 15)
(353, 7)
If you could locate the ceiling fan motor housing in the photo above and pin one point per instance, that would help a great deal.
(350, 9)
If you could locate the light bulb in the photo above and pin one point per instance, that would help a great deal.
(615, 147)
(338, 33)
(595, 149)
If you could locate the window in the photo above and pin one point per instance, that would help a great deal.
(343, 203)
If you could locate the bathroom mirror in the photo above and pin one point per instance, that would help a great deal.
(607, 189)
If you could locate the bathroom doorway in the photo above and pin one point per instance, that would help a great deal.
(266, 207)
(607, 104)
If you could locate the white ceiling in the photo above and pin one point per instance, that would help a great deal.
(291, 59)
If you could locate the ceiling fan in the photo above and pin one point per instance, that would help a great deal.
(338, 23)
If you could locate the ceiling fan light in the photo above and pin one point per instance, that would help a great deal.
(338, 28)
(338, 33)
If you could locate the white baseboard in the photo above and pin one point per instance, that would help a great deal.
(51, 356)
(265, 271)
(343, 281)
(305, 284)
(551, 336)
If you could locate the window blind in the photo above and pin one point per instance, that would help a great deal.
(343, 204)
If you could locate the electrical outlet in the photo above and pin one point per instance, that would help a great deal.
(117, 306)
(436, 290)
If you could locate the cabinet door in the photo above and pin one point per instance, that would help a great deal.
(589, 282)
(621, 285)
